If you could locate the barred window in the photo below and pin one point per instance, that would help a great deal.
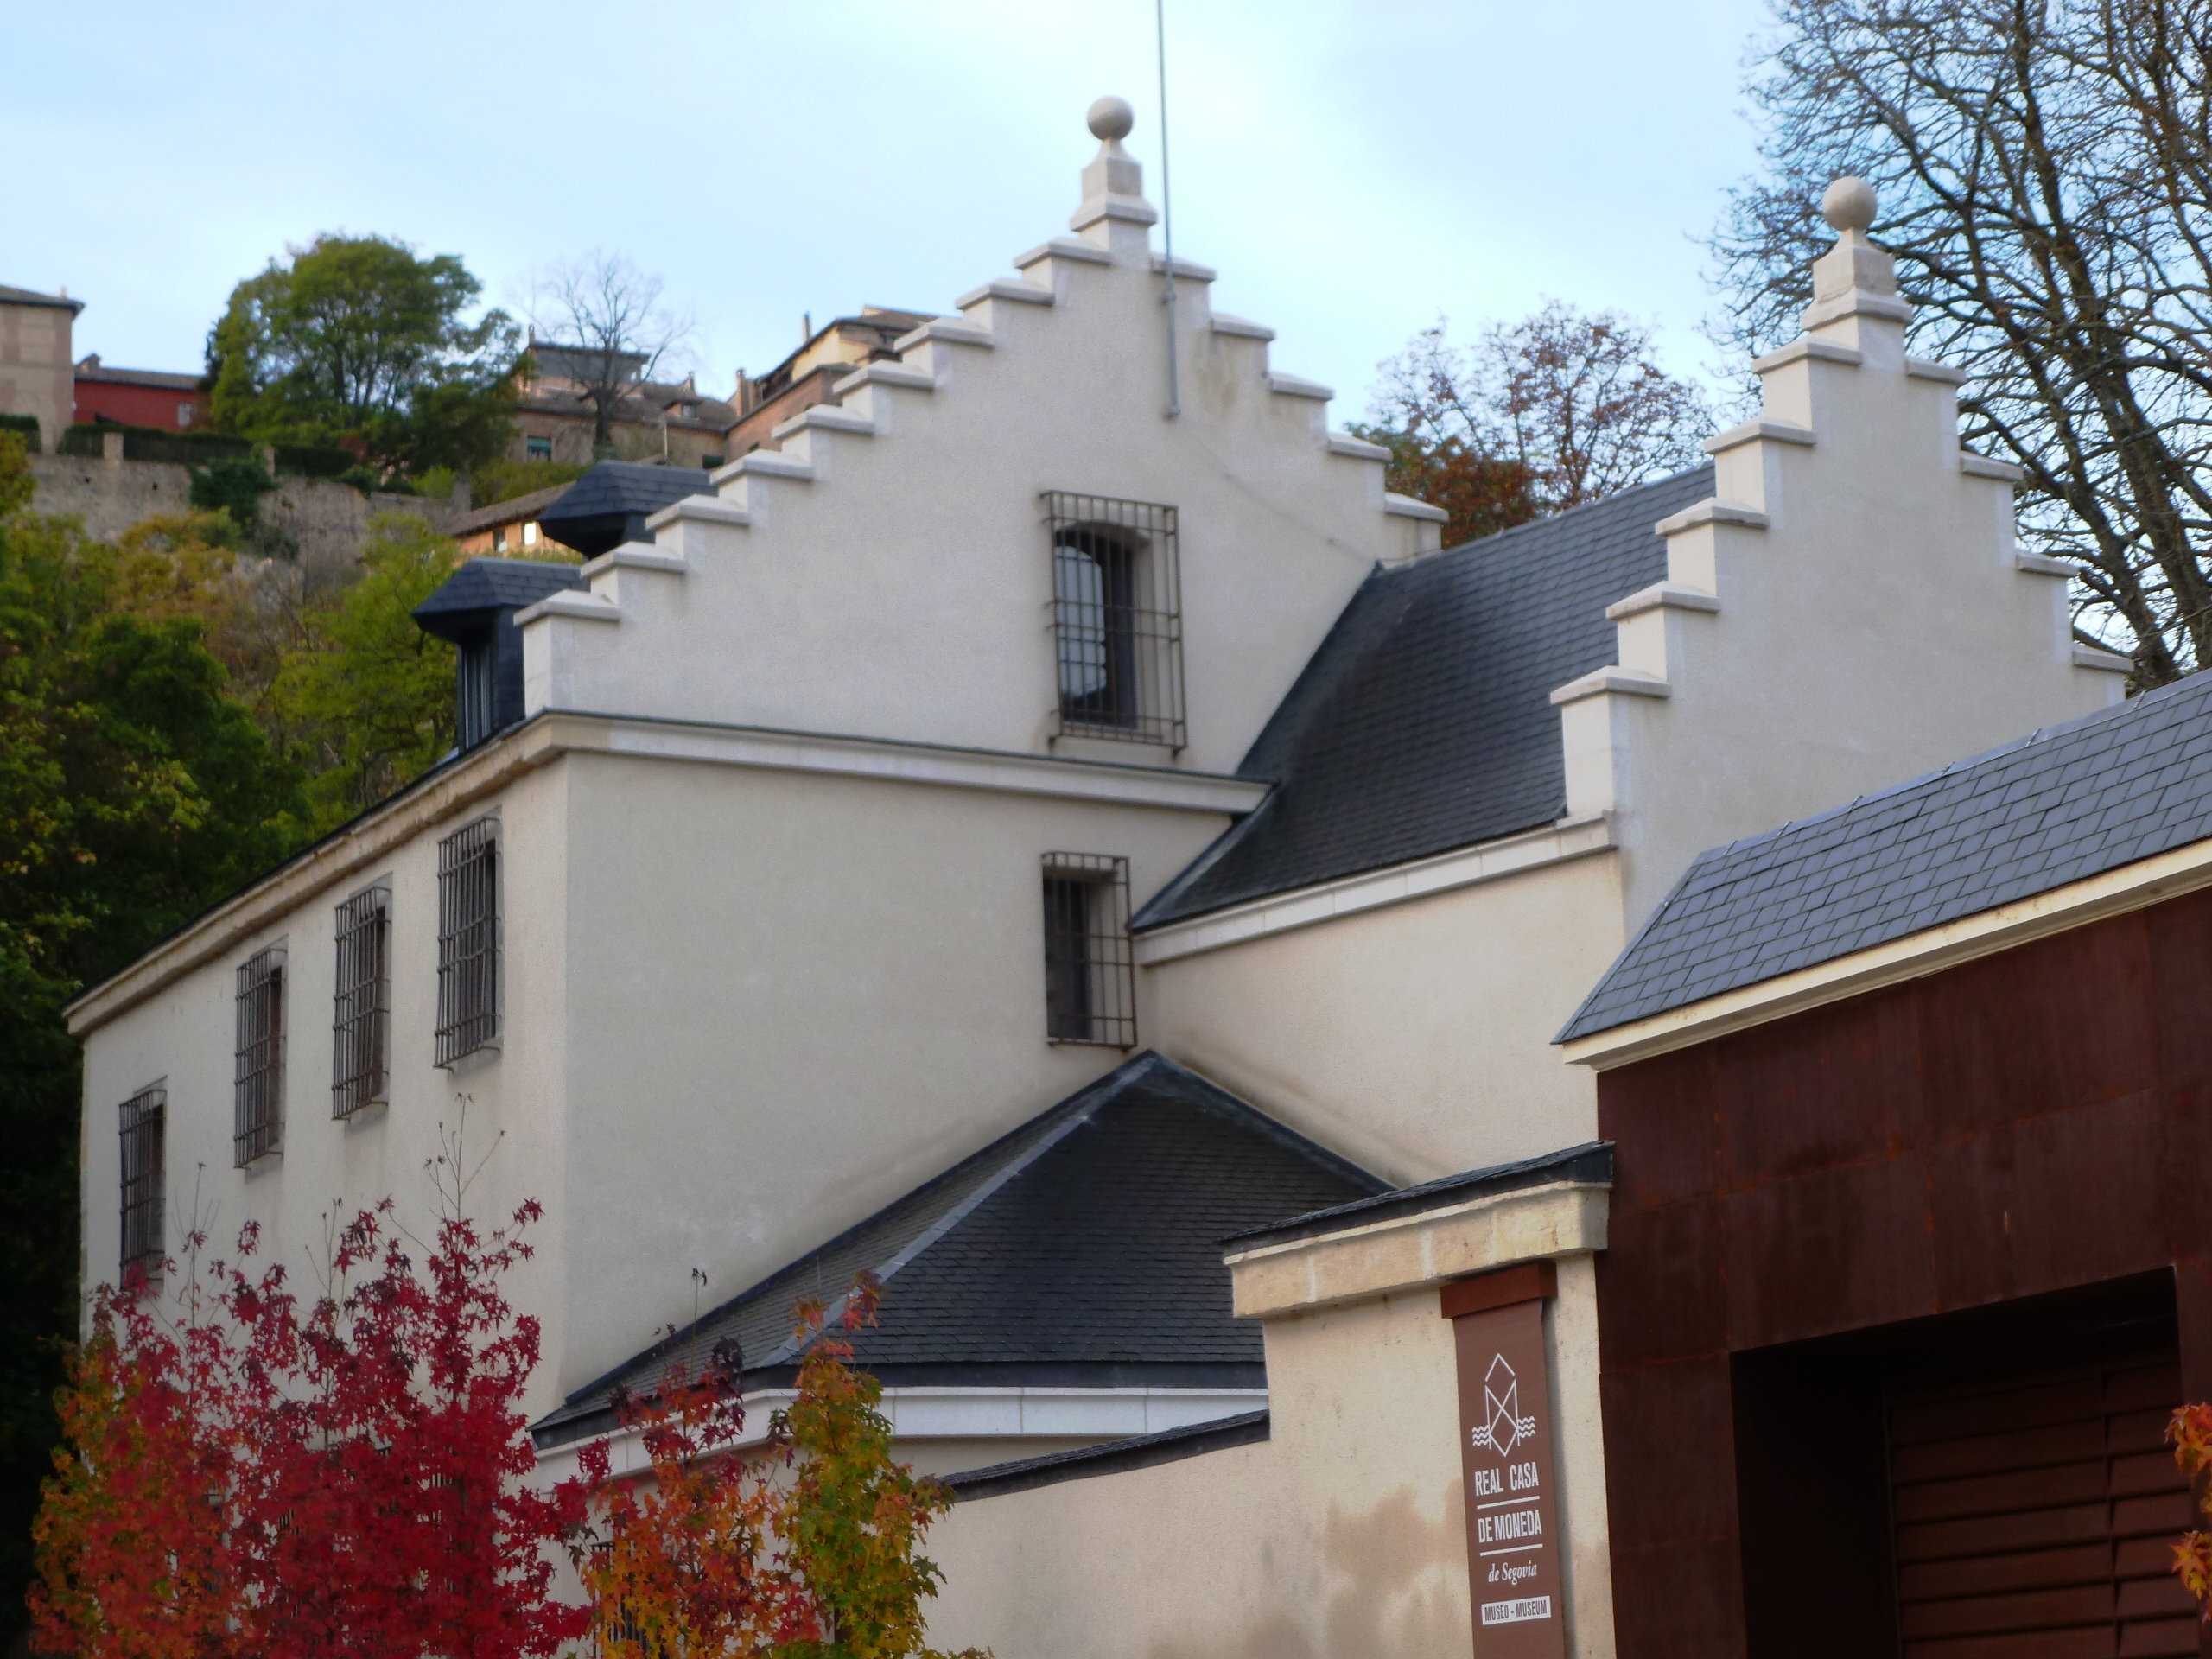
(360, 1023)
(144, 1115)
(1089, 970)
(468, 940)
(258, 1094)
(1117, 618)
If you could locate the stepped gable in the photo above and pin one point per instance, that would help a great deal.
(1083, 1250)
(1425, 722)
(2068, 803)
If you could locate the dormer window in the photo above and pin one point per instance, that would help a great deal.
(1117, 617)
(477, 684)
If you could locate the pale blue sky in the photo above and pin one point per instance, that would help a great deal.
(1351, 170)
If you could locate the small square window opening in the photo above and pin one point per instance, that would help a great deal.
(468, 940)
(537, 449)
(529, 534)
(1090, 967)
(258, 1092)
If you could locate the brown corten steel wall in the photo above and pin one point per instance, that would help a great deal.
(2037, 1120)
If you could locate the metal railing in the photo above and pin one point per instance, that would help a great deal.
(468, 940)
(360, 1019)
(258, 1092)
(1117, 617)
(1090, 966)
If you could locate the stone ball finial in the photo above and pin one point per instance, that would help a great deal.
(1111, 119)
(1848, 205)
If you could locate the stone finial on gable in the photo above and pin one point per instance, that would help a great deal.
(1113, 184)
(1855, 278)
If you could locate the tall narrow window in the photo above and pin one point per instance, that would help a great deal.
(476, 667)
(258, 1094)
(1089, 970)
(1117, 618)
(144, 1116)
(360, 1019)
(468, 940)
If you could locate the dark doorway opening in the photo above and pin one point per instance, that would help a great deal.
(1991, 1482)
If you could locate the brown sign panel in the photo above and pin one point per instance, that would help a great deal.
(1505, 1450)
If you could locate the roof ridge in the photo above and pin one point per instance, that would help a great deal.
(1120, 1078)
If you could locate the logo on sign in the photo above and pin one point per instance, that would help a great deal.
(1504, 1427)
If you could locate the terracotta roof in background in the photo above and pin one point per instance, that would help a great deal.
(32, 296)
(92, 368)
(515, 509)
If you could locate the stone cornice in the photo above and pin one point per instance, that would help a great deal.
(554, 733)
(1402, 1253)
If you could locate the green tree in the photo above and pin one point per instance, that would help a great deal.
(133, 793)
(367, 700)
(356, 342)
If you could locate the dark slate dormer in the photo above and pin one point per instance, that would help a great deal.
(476, 609)
(609, 505)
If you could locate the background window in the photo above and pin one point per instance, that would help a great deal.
(468, 940)
(144, 1116)
(258, 1095)
(500, 539)
(537, 449)
(361, 1014)
(477, 667)
(1089, 970)
(529, 534)
(1117, 617)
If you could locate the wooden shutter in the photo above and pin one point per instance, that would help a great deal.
(2035, 1518)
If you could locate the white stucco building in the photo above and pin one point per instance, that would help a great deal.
(997, 727)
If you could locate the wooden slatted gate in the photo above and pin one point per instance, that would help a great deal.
(2035, 1518)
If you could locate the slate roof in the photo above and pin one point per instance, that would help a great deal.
(93, 370)
(483, 585)
(613, 500)
(1424, 721)
(2069, 802)
(1082, 1248)
(1590, 1164)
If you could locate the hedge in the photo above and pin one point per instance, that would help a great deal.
(152, 443)
(26, 424)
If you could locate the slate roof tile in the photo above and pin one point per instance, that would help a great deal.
(1424, 722)
(2064, 803)
(1087, 1240)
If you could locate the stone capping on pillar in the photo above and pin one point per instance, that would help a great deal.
(1537, 1209)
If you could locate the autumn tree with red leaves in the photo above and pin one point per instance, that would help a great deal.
(1560, 408)
(802, 1546)
(2191, 1435)
(249, 1477)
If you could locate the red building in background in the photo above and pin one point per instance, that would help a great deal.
(174, 403)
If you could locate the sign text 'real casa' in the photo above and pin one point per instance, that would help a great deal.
(1506, 1451)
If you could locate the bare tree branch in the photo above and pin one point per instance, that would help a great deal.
(608, 329)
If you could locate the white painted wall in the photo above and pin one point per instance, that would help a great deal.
(893, 576)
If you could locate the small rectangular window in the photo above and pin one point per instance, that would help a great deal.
(529, 534)
(360, 1024)
(144, 1116)
(710, 461)
(258, 1094)
(184, 417)
(477, 665)
(468, 940)
(1089, 969)
(1117, 618)
(538, 448)
(500, 539)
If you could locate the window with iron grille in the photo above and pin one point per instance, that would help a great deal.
(1117, 618)
(476, 668)
(144, 1115)
(1091, 994)
(361, 1021)
(258, 1094)
(468, 940)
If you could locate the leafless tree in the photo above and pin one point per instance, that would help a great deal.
(608, 331)
(1536, 417)
(2045, 175)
